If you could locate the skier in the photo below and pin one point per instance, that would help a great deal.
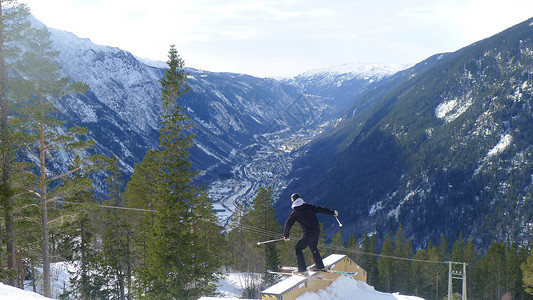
(305, 215)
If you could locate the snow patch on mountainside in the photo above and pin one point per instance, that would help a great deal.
(504, 142)
(451, 109)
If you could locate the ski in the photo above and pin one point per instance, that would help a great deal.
(304, 275)
(340, 272)
(287, 268)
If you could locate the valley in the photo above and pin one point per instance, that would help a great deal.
(267, 162)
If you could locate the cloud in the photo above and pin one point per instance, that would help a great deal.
(281, 37)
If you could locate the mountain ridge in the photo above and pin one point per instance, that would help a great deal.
(419, 156)
(245, 126)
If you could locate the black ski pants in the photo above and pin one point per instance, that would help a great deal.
(312, 243)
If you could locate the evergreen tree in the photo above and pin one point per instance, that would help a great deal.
(39, 87)
(354, 252)
(337, 245)
(522, 257)
(78, 245)
(441, 276)
(182, 248)
(495, 272)
(435, 274)
(470, 257)
(262, 219)
(527, 274)
(386, 264)
(242, 254)
(140, 192)
(237, 242)
(115, 237)
(13, 24)
(369, 261)
(418, 275)
(402, 248)
(514, 273)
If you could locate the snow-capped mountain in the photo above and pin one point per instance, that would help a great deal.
(444, 148)
(246, 127)
(348, 71)
(343, 84)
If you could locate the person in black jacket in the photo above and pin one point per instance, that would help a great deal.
(305, 215)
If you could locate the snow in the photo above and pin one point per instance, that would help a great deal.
(231, 285)
(359, 70)
(450, 110)
(12, 293)
(504, 142)
(347, 288)
(286, 284)
(332, 259)
(344, 288)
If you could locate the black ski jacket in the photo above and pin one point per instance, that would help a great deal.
(305, 215)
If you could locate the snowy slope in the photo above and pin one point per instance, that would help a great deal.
(245, 127)
(12, 293)
(347, 288)
(370, 72)
(344, 288)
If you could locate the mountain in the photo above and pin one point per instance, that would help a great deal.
(343, 84)
(246, 127)
(442, 148)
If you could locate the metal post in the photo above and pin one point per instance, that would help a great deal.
(464, 281)
(450, 284)
(456, 274)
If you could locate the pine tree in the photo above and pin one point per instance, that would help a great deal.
(140, 192)
(441, 275)
(13, 24)
(418, 275)
(241, 253)
(115, 236)
(40, 86)
(181, 253)
(237, 242)
(78, 244)
(262, 219)
(370, 260)
(402, 248)
(495, 271)
(386, 264)
(514, 273)
(527, 271)
(353, 250)
(337, 244)
(470, 257)
(522, 257)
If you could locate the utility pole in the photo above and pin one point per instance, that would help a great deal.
(456, 274)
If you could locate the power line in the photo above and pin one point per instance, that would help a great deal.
(353, 251)
(116, 207)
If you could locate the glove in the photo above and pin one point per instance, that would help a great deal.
(336, 213)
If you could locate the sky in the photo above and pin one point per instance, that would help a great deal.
(282, 38)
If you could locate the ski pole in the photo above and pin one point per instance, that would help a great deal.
(270, 241)
(340, 225)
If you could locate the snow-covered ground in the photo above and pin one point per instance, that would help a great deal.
(231, 285)
(344, 288)
(12, 293)
(347, 288)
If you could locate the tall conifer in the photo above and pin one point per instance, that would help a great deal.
(181, 252)
(39, 87)
(13, 23)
